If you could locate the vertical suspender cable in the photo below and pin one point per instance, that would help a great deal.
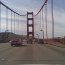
(6, 37)
(21, 26)
(41, 19)
(11, 24)
(14, 23)
(43, 23)
(11, 21)
(52, 19)
(18, 24)
(36, 24)
(0, 17)
(6, 19)
(46, 20)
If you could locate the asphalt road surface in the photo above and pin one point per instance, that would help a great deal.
(31, 54)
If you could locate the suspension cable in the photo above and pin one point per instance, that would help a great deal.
(11, 9)
(0, 17)
(52, 19)
(41, 7)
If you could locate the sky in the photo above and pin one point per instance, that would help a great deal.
(24, 6)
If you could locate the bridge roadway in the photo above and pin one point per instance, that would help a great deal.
(31, 54)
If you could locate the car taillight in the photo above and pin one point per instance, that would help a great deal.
(11, 42)
(17, 42)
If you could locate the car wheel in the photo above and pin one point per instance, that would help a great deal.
(11, 44)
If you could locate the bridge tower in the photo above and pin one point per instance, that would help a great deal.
(30, 25)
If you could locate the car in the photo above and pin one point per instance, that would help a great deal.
(36, 40)
(41, 41)
(16, 42)
(29, 41)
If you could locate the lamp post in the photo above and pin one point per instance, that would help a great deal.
(38, 37)
(43, 34)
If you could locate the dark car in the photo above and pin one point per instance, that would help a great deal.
(29, 41)
(16, 42)
(36, 40)
(41, 41)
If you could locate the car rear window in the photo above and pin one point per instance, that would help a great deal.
(16, 40)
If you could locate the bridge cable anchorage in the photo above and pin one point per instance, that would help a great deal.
(10, 9)
(52, 19)
(46, 21)
(41, 7)
(0, 17)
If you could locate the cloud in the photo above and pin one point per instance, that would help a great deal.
(59, 23)
(59, 15)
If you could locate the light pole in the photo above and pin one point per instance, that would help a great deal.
(52, 19)
(43, 34)
(38, 37)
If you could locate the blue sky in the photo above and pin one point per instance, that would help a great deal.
(22, 6)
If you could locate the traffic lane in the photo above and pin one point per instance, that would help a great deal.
(34, 54)
(17, 55)
(53, 54)
(27, 56)
(8, 49)
(59, 50)
(38, 54)
(4, 46)
(31, 54)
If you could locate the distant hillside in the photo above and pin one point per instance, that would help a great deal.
(7, 36)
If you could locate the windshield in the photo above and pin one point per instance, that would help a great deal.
(32, 32)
